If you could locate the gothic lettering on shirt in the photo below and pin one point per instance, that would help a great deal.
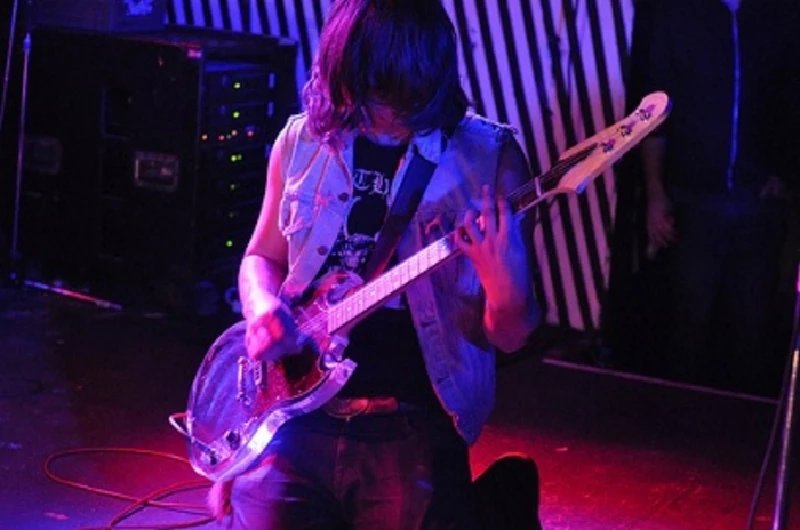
(356, 240)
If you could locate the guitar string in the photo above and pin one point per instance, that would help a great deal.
(555, 173)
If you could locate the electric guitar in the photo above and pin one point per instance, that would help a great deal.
(236, 405)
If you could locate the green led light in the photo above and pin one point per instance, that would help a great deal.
(236, 157)
(229, 243)
(236, 114)
(237, 85)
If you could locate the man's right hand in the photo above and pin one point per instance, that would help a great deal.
(272, 334)
(660, 224)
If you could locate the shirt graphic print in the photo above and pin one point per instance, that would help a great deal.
(374, 170)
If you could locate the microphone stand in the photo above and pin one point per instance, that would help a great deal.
(781, 513)
(16, 258)
(16, 275)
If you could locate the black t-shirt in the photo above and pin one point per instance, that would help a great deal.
(385, 344)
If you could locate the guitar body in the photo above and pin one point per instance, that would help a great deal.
(236, 405)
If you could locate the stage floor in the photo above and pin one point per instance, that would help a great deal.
(614, 451)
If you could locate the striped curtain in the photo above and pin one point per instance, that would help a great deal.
(554, 69)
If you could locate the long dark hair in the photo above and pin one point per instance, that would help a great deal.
(397, 53)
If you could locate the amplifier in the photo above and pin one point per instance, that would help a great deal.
(101, 15)
(146, 154)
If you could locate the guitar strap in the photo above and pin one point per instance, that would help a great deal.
(416, 179)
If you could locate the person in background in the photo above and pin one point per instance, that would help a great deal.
(718, 175)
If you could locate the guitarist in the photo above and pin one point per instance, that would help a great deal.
(391, 450)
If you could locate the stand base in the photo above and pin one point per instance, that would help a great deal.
(75, 295)
(14, 276)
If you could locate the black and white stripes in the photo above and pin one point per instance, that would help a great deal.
(554, 69)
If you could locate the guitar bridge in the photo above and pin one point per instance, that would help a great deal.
(241, 381)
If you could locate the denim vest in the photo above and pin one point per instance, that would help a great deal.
(446, 306)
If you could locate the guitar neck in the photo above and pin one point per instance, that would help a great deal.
(530, 194)
(374, 294)
(571, 173)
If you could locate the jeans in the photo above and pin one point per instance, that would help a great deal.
(723, 270)
(403, 471)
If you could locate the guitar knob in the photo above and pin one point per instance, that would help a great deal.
(210, 458)
(329, 361)
(233, 438)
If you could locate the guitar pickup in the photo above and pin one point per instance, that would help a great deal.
(259, 373)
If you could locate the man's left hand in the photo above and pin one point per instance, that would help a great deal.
(493, 242)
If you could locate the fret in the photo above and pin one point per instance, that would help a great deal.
(340, 319)
(334, 318)
(413, 265)
(441, 251)
(404, 275)
(375, 292)
(381, 287)
(438, 252)
(423, 260)
(448, 246)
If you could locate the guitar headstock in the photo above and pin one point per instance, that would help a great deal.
(607, 146)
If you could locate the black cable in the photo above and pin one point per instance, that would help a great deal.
(773, 434)
(142, 503)
(9, 54)
(762, 474)
(139, 503)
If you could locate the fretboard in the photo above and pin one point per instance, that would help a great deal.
(374, 294)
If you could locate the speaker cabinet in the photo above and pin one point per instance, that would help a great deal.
(146, 153)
